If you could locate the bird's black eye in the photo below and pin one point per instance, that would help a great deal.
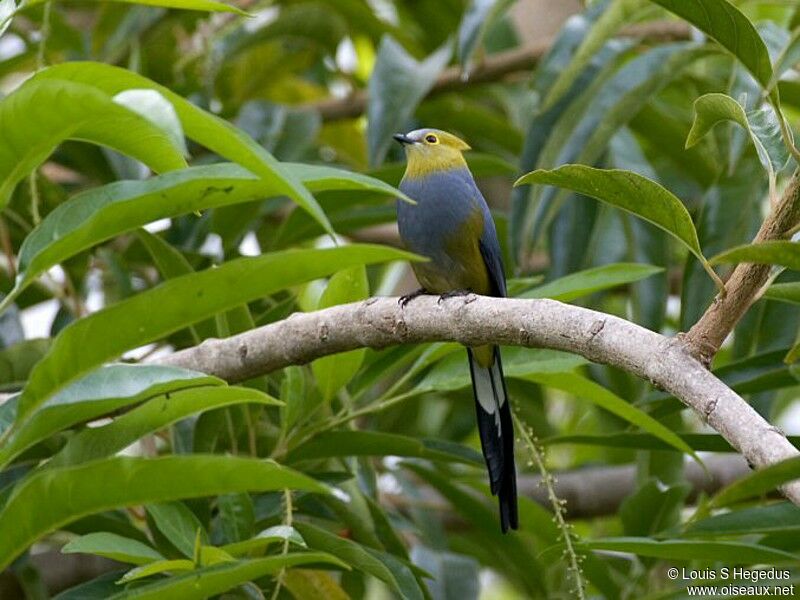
(431, 139)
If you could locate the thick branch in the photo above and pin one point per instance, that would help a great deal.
(706, 336)
(494, 68)
(478, 320)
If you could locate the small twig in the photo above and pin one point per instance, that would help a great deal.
(45, 33)
(288, 520)
(558, 505)
(34, 191)
(8, 249)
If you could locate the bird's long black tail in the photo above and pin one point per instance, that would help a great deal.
(496, 429)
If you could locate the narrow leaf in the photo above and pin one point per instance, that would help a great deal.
(785, 292)
(98, 442)
(107, 389)
(478, 17)
(585, 388)
(728, 552)
(212, 132)
(113, 546)
(761, 125)
(596, 279)
(334, 372)
(632, 193)
(182, 301)
(731, 28)
(65, 494)
(211, 581)
(398, 83)
(373, 443)
(762, 481)
(32, 130)
(782, 253)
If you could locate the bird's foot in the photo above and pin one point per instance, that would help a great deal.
(405, 299)
(453, 294)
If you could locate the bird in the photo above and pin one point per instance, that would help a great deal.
(451, 225)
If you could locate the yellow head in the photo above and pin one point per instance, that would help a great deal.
(431, 150)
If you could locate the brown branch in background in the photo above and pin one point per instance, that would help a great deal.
(494, 68)
(705, 337)
(590, 492)
(478, 320)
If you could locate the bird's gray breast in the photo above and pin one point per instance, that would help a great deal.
(444, 203)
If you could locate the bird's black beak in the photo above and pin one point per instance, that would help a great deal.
(402, 139)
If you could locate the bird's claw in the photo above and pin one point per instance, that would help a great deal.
(453, 294)
(406, 298)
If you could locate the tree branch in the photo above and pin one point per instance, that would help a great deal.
(592, 491)
(742, 288)
(477, 320)
(494, 68)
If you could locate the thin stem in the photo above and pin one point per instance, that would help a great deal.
(786, 134)
(537, 456)
(34, 187)
(8, 248)
(287, 496)
(45, 33)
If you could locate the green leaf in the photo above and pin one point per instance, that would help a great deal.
(171, 263)
(101, 213)
(65, 494)
(763, 480)
(381, 565)
(785, 292)
(587, 389)
(653, 507)
(32, 129)
(179, 525)
(334, 372)
(211, 581)
(158, 568)
(113, 546)
(788, 58)
(782, 517)
(203, 5)
(7, 10)
(478, 18)
(160, 412)
(272, 535)
(619, 13)
(611, 97)
(109, 388)
(373, 443)
(512, 555)
(681, 550)
(206, 129)
(630, 192)
(319, 178)
(596, 279)
(782, 253)
(158, 110)
(761, 125)
(730, 28)
(397, 84)
(641, 441)
(182, 301)
(453, 372)
(236, 516)
(16, 362)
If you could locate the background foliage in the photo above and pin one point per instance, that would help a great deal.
(173, 171)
